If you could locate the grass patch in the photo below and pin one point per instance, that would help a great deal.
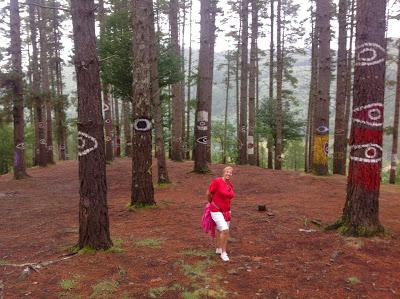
(353, 280)
(156, 243)
(3, 262)
(160, 291)
(197, 252)
(67, 284)
(205, 293)
(197, 270)
(139, 206)
(117, 247)
(104, 289)
(163, 186)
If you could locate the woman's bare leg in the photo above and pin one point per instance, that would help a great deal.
(224, 239)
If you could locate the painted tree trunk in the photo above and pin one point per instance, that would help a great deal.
(339, 157)
(182, 83)
(244, 84)
(361, 210)
(142, 183)
(177, 97)
(162, 170)
(108, 123)
(18, 98)
(94, 229)
(252, 84)
(321, 114)
(46, 95)
(395, 140)
(126, 110)
(202, 125)
(237, 84)
(279, 82)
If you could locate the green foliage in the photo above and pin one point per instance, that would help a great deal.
(294, 155)
(156, 243)
(217, 133)
(6, 148)
(197, 270)
(197, 252)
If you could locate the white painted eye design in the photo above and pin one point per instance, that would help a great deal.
(62, 147)
(202, 140)
(202, 125)
(326, 148)
(142, 124)
(41, 125)
(322, 130)
(369, 54)
(370, 115)
(366, 153)
(106, 107)
(42, 141)
(86, 144)
(20, 146)
(107, 121)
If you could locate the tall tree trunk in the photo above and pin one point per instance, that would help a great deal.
(339, 157)
(93, 211)
(395, 140)
(313, 95)
(35, 81)
(106, 96)
(117, 151)
(279, 82)
(237, 84)
(18, 109)
(189, 85)
(44, 67)
(228, 81)
(126, 110)
(252, 83)
(177, 97)
(321, 115)
(142, 183)
(211, 69)
(257, 136)
(349, 77)
(361, 210)
(182, 84)
(243, 84)
(202, 125)
(271, 82)
(157, 114)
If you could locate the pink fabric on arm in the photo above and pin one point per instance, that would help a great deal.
(207, 223)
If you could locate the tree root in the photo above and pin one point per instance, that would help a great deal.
(355, 230)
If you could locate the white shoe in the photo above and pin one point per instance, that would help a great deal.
(218, 251)
(224, 257)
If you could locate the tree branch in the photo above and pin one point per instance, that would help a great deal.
(45, 6)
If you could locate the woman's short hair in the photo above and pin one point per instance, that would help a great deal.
(227, 168)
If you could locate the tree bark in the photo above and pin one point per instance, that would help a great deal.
(237, 80)
(177, 97)
(271, 82)
(202, 125)
(279, 83)
(94, 229)
(18, 109)
(126, 110)
(361, 210)
(228, 81)
(395, 140)
(243, 84)
(339, 157)
(162, 170)
(142, 183)
(189, 85)
(321, 114)
(117, 150)
(252, 84)
(44, 67)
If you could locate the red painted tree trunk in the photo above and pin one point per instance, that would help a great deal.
(361, 210)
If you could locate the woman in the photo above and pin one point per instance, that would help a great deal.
(220, 194)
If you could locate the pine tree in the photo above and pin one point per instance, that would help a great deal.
(93, 211)
(142, 183)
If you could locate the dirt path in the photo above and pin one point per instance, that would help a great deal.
(162, 253)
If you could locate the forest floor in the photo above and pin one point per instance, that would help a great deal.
(162, 252)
